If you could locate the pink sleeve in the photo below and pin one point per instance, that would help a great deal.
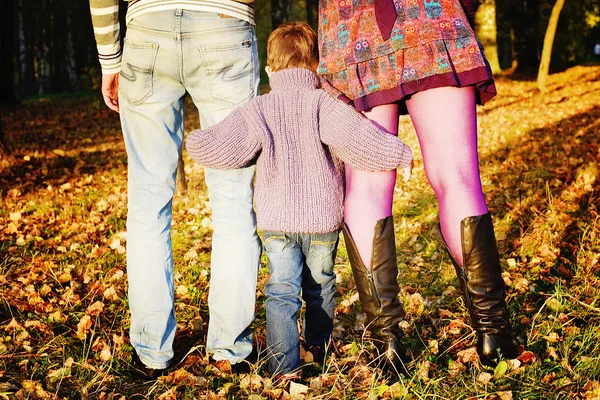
(229, 144)
(358, 142)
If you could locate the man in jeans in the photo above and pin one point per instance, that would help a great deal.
(207, 49)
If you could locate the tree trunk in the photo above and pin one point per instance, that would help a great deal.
(504, 34)
(548, 42)
(42, 55)
(312, 12)
(71, 64)
(25, 75)
(485, 26)
(281, 12)
(181, 184)
(3, 146)
(525, 24)
(7, 86)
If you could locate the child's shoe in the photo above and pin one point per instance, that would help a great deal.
(319, 351)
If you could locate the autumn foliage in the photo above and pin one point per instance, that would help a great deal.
(63, 282)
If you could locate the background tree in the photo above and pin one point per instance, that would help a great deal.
(281, 12)
(7, 40)
(485, 27)
(548, 42)
(49, 44)
(312, 13)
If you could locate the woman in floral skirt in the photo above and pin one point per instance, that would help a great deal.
(419, 57)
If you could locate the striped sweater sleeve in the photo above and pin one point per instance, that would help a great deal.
(105, 20)
(357, 141)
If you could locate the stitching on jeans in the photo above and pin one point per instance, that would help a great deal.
(271, 238)
(322, 243)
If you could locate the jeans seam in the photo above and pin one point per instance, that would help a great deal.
(323, 243)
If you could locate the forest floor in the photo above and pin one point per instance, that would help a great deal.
(63, 284)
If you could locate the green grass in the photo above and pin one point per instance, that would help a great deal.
(57, 259)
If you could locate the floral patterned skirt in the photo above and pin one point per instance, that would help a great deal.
(431, 45)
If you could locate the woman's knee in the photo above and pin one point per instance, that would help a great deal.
(444, 182)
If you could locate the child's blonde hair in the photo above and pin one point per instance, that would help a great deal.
(293, 45)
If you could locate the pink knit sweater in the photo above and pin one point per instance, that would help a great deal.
(299, 133)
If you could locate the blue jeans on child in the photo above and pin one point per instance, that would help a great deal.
(214, 59)
(300, 267)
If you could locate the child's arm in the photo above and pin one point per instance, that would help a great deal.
(229, 144)
(358, 142)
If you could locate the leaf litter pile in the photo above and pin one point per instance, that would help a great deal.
(63, 283)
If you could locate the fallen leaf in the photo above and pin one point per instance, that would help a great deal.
(95, 309)
(456, 368)
(514, 364)
(526, 357)
(552, 337)
(449, 290)
(251, 382)
(15, 216)
(13, 325)
(433, 346)
(500, 369)
(116, 245)
(170, 394)
(484, 377)
(468, 355)
(223, 365)
(105, 355)
(110, 294)
(445, 313)
(35, 390)
(505, 395)
(58, 374)
(423, 372)
(297, 389)
(180, 377)
(83, 326)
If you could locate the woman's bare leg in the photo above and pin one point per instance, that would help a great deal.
(445, 120)
(369, 195)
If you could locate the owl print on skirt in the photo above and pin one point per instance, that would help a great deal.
(428, 38)
(400, 15)
(343, 35)
(345, 9)
(362, 51)
(413, 11)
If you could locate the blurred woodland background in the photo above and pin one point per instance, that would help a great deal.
(48, 45)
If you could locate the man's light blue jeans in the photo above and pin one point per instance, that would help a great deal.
(301, 267)
(214, 59)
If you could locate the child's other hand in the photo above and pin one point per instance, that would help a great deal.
(407, 171)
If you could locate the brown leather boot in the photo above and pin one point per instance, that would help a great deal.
(483, 288)
(378, 292)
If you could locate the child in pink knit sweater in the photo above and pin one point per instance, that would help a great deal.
(300, 137)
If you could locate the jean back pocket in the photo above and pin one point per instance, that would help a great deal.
(137, 67)
(231, 70)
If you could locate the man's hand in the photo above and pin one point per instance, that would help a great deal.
(407, 171)
(110, 91)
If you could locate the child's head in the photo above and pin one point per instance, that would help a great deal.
(292, 45)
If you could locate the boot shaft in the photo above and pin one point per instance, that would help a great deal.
(483, 287)
(378, 287)
(483, 273)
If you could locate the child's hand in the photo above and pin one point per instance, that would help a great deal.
(407, 171)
